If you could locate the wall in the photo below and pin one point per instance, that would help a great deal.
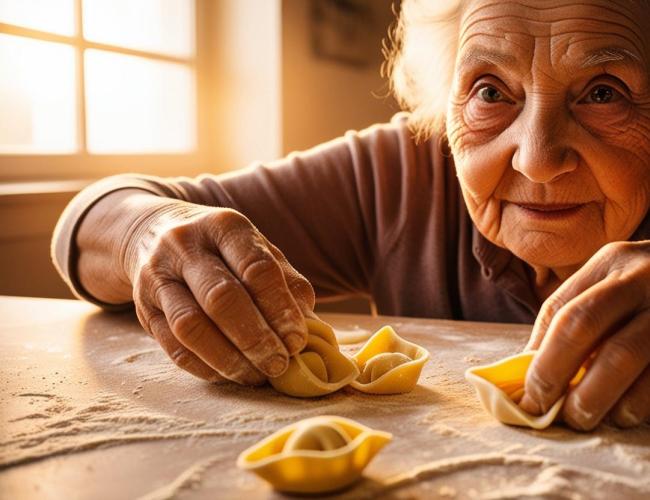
(244, 77)
(322, 98)
(27, 222)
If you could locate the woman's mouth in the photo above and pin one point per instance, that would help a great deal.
(550, 211)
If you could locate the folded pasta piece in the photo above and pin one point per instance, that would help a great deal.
(500, 387)
(320, 368)
(315, 455)
(389, 364)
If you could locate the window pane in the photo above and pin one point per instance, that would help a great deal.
(38, 105)
(55, 16)
(162, 26)
(137, 105)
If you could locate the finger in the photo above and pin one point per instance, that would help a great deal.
(227, 303)
(298, 285)
(591, 273)
(196, 332)
(620, 361)
(251, 260)
(634, 407)
(154, 322)
(573, 335)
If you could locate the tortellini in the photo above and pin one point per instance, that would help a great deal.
(315, 455)
(389, 364)
(500, 387)
(320, 368)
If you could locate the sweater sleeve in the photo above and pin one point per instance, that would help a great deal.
(325, 208)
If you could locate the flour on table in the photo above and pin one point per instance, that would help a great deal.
(190, 478)
(121, 390)
(105, 420)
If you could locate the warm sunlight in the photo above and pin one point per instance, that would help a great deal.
(53, 16)
(136, 105)
(165, 27)
(125, 85)
(37, 96)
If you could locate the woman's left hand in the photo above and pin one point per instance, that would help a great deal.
(603, 308)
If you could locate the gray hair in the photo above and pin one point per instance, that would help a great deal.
(420, 60)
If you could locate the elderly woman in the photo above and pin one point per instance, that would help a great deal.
(516, 190)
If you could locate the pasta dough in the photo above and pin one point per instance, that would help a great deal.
(316, 455)
(317, 436)
(389, 364)
(320, 368)
(500, 387)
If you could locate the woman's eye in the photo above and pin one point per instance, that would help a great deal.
(489, 94)
(602, 94)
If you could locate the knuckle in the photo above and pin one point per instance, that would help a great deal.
(578, 324)
(147, 275)
(621, 357)
(230, 220)
(261, 270)
(222, 296)
(181, 238)
(160, 290)
(149, 282)
(549, 309)
(186, 323)
(183, 358)
(613, 248)
(302, 290)
(260, 347)
(551, 306)
(254, 345)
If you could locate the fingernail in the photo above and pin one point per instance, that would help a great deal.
(294, 343)
(626, 417)
(529, 405)
(275, 365)
(578, 417)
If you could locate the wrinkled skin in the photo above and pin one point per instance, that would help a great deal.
(551, 141)
(222, 301)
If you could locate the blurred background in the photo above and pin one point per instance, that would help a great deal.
(90, 88)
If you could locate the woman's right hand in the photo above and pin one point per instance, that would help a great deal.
(221, 300)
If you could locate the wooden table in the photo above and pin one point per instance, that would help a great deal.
(92, 408)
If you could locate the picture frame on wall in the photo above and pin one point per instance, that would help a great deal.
(342, 31)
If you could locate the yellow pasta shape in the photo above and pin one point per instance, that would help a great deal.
(315, 455)
(500, 387)
(320, 368)
(389, 364)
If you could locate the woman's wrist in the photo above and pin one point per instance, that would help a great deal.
(140, 235)
(111, 237)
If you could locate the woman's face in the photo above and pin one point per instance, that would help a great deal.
(549, 124)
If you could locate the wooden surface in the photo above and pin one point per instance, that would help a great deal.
(92, 408)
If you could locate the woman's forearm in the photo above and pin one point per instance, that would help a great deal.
(104, 237)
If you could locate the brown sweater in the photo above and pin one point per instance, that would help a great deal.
(373, 213)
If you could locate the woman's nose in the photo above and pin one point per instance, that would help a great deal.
(544, 150)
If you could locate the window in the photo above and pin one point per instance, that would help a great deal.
(92, 87)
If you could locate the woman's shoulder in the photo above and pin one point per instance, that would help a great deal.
(398, 145)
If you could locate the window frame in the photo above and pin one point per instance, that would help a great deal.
(25, 167)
